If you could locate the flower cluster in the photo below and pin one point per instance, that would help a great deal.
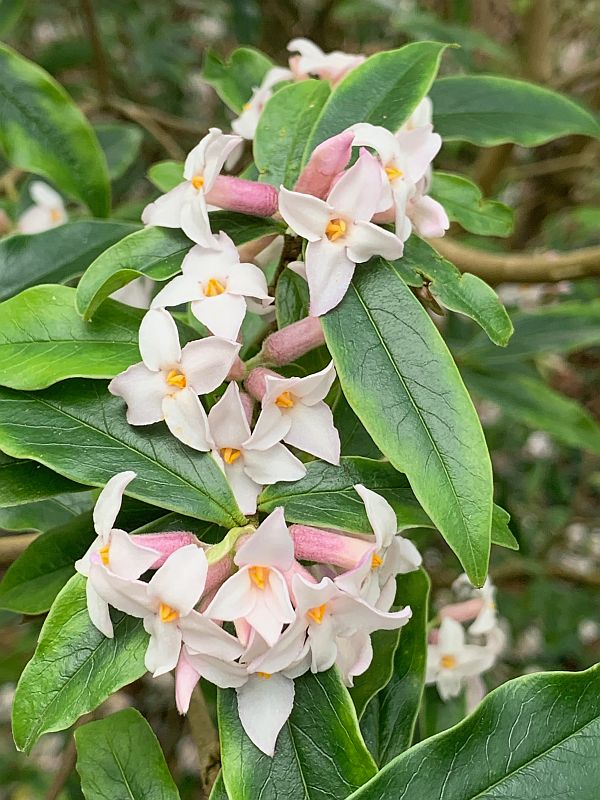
(285, 616)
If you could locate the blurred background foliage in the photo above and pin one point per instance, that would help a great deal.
(135, 68)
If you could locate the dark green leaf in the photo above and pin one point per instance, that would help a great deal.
(166, 174)
(402, 383)
(56, 255)
(501, 534)
(121, 143)
(43, 514)
(23, 481)
(119, 758)
(43, 131)
(319, 754)
(354, 439)
(218, 791)
(74, 667)
(489, 110)
(79, 429)
(291, 298)
(535, 737)
(234, 80)
(389, 719)
(283, 129)
(366, 686)
(464, 204)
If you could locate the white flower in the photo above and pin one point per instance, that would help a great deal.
(249, 460)
(245, 124)
(217, 285)
(421, 116)
(185, 206)
(312, 61)
(192, 666)
(487, 617)
(47, 211)
(339, 232)
(113, 548)
(137, 294)
(166, 384)
(450, 660)
(300, 403)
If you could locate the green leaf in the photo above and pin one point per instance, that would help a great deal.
(388, 721)
(10, 13)
(157, 253)
(437, 715)
(291, 298)
(354, 439)
(536, 736)
(79, 430)
(326, 497)
(487, 110)
(464, 204)
(283, 129)
(43, 131)
(74, 667)
(235, 79)
(319, 754)
(44, 340)
(56, 255)
(528, 400)
(465, 293)
(501, 534)
(218, 791)
(402, 383)
(166, 175)
(385, 90)
(23, 481)
(121, 144)
(43, 514)
(119, 757)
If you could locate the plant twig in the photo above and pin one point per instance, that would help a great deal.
(206, 739)
(148, 121)
(12, 546)
(100, 61)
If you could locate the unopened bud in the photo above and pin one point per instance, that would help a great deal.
(256, 384)
(166, 543)
(327, 547)
(248, 197)
(325, 164)
(292, 342)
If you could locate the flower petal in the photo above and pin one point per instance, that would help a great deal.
(312, 430)
(271, 426)
(98, 610)
(166, 210)
(270, 546)
(143, 392)
(328, 272)
(368, 239)
(223, 314)
(244, 488)
(264, 705)
(357, 193)
(181, 289)
(180, 581)
(273, 465)
(228, 424)
(315, 387)
(195, 221)
(164, 646)
(451, 636)
(306, 215)
(109, 501)
(380, 514)
(127, 558)
(419, 147)
(205, 637)
(186, 678)
(159, 340)
(224, 674)
(429, 218)
(187, 420)
(377, 137)
(234, 598)
(124, 594)
(247, 279)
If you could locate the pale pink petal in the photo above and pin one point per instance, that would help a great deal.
(180, 581)
(181, 289)
(312, 430)
(306, 215)
(305, 47)
(234, 599)
(247, 279)
(315, 387)
(381, 515)
(422, 115)
(451, 636)
(127, 558)
(224, 674)
(449, 684)
(357, 193)
(143, 391)
(419, 147)
(164, 646)
(367, 239)
(271, 426)
(273, 465)
(354, 656)
(186, 678)
(204, 636)
(323, 644)
(166, 210)
(195, 222)
(109, 501)
(429, 218)
(227, 419)
(223, 314)
(353, 614)
(264, 705)
(187, 420)
(126, 595)
(401, 193)
(159, 340)
(312, 595)
(298, 267)
(270, 546)
(380, 139)
(98, 610)
(44, 195)
(244, 488)
(263, 617)
(218, 148)
(285, 652)
(328, 272)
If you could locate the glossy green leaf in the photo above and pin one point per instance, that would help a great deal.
(388, 721)
(402, 383)
(529, 400)
(121, 142)
(384, 90)
(464, 204)
(74, 667)
(41, 515)
(235, 79)
(157, 253)
(10, 13)
(465, 293)
(489, 110)
(165, 175)
(326, 498)
(283, 129)
(79, 429)
(119, 758)
(44, 340)
(354, 439)
(291, 298)
(56, 255)
(501, 534)
(218, 791)
(437, 715)
(43, 131)
(319, 753)
(534, 737)
(23, 481)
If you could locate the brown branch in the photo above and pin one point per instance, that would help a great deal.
(12, 546)
(206, 740)
(148, 121)
(521, 267)
(65, 768)
(100, 61)
(590, 69)
(551, 166)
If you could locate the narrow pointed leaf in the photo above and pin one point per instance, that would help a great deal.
(24, 481)
(41, 515)
(463, 202)
(234, 79)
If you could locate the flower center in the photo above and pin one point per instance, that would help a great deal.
(317, 613)
(167, 614)
(213, 288)
(285, 400)
(335, 229)
(448, 662)
(55, 215)
(197, 181)
(258, 576)
(230, 454)
(376, 561)
(265, 675)
(103, 552)
(245, 107)
(393, 173)
(176, 378)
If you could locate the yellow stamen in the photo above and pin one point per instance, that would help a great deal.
(176, 378)
(55, 215)
(167, 614)
(285, 400)
(245, 107)
(230, 454)
(393, 173)
(265, 675)
(335, 229)
(259, 576)
(213, 288)
(376, 561)
(197, 181)
(104, 554)
(448, 662)
(317, 613)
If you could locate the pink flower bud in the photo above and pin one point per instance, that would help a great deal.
(327, 547)
(255, 382)
(293, 341)
(247, 405)
(463, 612)
(186, 678)
(166, 543)
(238, 194)
(237, 371)
(218, 572)
(325, 164)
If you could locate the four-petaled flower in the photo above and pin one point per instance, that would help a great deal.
(450, 660)
(47, 211)
(245, 124)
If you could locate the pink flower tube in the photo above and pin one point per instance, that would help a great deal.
(248, 197)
